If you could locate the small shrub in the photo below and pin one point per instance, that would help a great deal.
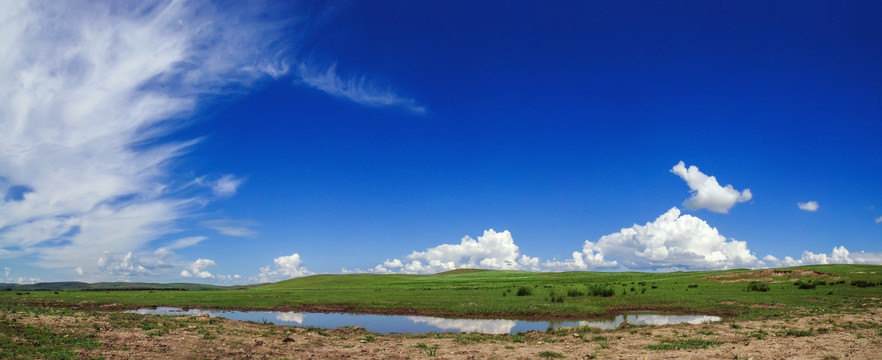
(679, 344)
(524, 291)
(797, 333)
(757, 286)
(601, 290)
(368, 339)
(692, 286)
(862, 283)
(807, 285)
(551, 355)
(430, 351)
(759, 334)
(517, 338)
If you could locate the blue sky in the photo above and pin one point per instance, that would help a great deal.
(244, 142)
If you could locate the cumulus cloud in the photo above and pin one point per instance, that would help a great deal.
(707, 192)
(864, 257)
(88, 90)
(493, 250)
(286, 267)
(671, 242)
(7, 270)
(197, 269)
(356, 89)
(879, 220)
(810, 206)
(839, 255)
(121, 266)
(78, 270)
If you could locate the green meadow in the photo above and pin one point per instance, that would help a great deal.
(735, 294)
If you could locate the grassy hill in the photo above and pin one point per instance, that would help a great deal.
(734, 293)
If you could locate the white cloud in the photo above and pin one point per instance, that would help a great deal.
(121, 266)
(839, 255)
(23, 280)
(7, 270)
(671, 242)
(197, 269)
(879, 220)
(707, 192)
(866, 257)
(237, 228)
(89, 88)
(492, 250)
(359, 90)
(286, 267)
(808, 206)
(185, 242)
(78, 270)
(226, 186)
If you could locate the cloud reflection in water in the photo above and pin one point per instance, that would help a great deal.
(467, 325)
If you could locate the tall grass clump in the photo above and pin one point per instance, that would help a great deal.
(575, 293)
(556, 297)
(601, 290)
(805, 285)
(524, 291)
(757, 286)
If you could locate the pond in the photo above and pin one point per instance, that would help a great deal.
(408, 324)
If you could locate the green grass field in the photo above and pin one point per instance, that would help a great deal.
(495, 293)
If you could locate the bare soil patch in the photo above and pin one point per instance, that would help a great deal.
(770, 275)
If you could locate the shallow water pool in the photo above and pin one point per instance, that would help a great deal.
(408, 324)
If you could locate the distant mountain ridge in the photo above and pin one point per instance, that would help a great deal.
(110, 286)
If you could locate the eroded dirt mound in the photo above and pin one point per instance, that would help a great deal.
(770, 275)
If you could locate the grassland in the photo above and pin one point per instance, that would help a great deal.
(733, 294)
(807, 312)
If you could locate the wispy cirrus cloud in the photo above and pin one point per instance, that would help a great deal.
(358, 89)
(237, 228)
(83, 105)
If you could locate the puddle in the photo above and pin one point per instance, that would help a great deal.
(403, 324)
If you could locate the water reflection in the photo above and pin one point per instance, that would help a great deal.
(649, 319)
(291, 316)
(424, 324)
(467, 325)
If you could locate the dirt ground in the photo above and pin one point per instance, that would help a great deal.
(829, 336)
